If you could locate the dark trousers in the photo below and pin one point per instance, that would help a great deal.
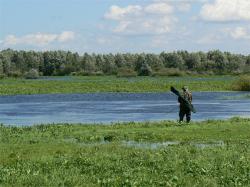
(182, 113)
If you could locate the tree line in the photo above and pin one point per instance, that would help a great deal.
(17, 63)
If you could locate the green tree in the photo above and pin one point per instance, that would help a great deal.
(234, 62)
(18, 62)
(154, 61)
(108, 65)
(88, 63)
(248, 60)
(219, 59)
(172, 60)
(145, 70)
(139, 62)
(49, 64)
(120, 60)
(193, 61)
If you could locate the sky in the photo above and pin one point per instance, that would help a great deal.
(120, 26)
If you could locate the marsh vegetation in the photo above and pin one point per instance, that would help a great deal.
(91, 84)
(93, 155)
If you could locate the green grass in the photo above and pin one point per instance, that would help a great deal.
(113, 84)
(96, 155)
(77, 155)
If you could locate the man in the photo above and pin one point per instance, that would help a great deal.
(184, 109)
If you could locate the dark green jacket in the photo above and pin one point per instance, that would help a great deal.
(188, 96)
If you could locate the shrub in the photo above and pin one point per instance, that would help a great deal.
(15, 74)
(85, 73)
(64, 70)
(246, 70)
(169, 72)
(32, 74)
(126, 72)
(99, 73)
(2, 76)
(145, 70)
(236, 72)
(242, 84)
(191, 73)
(73, 74)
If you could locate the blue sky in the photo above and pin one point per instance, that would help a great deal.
(104, 26)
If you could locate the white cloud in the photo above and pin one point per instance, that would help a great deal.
(154, 18)
(145, 26)
(123, 25)
(118, 13)
(184, 6)
(159, 8)
(223, 34)
(181, 5)
(66, 36)
(10, 40)
(182, 1)
(239, 33)
(38, 39)
(186, 1)
(226, 10)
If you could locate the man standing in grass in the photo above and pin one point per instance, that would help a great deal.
(184, 109)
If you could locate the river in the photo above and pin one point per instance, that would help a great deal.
(113, 107)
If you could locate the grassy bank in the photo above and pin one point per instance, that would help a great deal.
(94, 155)
(112, 84)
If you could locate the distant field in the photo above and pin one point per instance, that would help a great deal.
(209, 153)
(112, 84)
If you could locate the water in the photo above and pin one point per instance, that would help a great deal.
(114, 107)
(157, 145)
(150, 145)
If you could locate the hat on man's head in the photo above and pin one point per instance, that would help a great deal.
(185, 88)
